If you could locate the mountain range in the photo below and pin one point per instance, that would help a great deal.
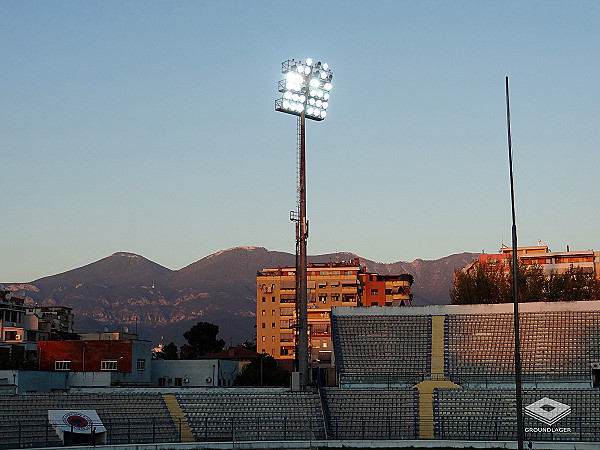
(126, 291)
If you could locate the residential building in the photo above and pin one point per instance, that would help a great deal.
(18, 330)
(329, 285)
(56, 321)
(588, 260)
(122, 357)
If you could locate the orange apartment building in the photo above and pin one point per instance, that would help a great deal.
(329, 285)
(588, 260)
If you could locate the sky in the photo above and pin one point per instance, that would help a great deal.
(149, 127)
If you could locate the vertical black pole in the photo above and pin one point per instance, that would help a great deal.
(302, 262)
(515, 274)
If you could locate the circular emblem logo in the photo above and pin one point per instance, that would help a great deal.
(77, 420)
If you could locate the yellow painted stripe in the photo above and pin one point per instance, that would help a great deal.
(176, 414)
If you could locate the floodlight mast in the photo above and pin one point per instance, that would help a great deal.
(305, 93)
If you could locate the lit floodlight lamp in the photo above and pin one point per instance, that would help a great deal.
(305, 89)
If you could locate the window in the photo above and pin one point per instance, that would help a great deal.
(162, 382)
(263, 325)
(62, 365)
(178, 381)
(264, 338)
(272, 312)
(264, 312)
(272, 338)
(272, 299)
(273, 325)
(12, 335)
(374, 292)
(108, 365)
(141, 364)
(263, 299)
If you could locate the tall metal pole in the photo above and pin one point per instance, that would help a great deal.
(301, 271)
(515, 274)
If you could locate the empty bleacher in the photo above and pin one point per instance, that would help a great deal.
(128, 418)
(555, 346)
(377, 413)
(252, 414)
(386, 349)
(490, 414)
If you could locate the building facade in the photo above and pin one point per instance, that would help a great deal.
(124, 358)
(329, 285)
(588, 260)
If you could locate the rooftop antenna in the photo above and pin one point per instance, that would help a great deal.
(519, 399)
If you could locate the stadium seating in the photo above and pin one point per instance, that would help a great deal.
(382, 349)
(555, 346)
(128, 418)
(252, 414)
(376, 413)
(490, 414)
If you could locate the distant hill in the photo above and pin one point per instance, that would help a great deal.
(128, 290)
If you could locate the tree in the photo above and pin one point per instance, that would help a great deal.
(574, 284)
(169, 351)
(263, 371)
(492, 282)
(485, 283)
(202, 339)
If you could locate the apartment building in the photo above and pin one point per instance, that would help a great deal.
(328, 285)
(588, 260)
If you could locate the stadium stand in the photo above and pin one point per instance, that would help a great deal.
(128, 418)
(473, 346)
(382, 349)
(442, 372)
(372, 413)
(489, 414)
(555, 346)
(253, 414)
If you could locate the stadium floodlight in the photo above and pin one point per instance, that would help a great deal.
(304, 93)
(308, 83)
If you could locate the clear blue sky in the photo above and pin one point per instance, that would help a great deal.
(149, 127)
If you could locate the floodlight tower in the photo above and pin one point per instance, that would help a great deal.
(304, 93)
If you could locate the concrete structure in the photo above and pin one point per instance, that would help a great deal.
(127, 360)
(193, 372)
(329, 285)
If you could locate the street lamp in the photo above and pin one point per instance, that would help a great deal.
(304, 93)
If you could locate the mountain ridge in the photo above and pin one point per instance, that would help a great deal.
(126, 289)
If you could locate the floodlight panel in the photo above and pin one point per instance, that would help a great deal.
(296, 109)
(305, 89)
